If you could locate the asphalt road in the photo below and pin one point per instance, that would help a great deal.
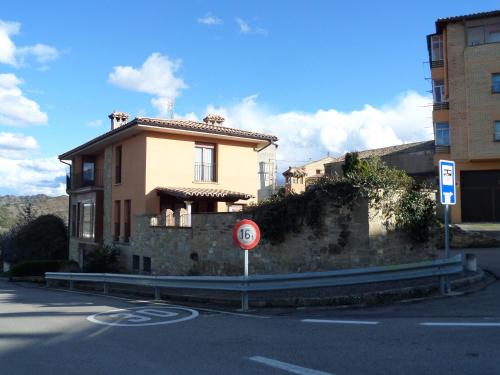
(55, 332)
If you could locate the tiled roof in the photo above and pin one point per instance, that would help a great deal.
(192, 193)
(391, 150)
(443, 21)
(176, 124)
(203, 127)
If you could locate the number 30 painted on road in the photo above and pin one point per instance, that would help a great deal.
(246, 234)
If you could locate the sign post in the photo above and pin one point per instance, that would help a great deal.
(246, 235)
(447, 192)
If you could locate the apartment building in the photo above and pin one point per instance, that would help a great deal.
(164, 168)
(298, 178)
(464, 54)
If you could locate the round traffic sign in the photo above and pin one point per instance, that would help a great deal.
(246, 234)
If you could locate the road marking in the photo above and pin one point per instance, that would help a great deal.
(339, 321)
(460, 324)
(154, 302)
(143, 316)
(294, 369)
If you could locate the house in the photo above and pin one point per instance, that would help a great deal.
(416, 159)
(164, 168)
(464, 55)
(298, 178)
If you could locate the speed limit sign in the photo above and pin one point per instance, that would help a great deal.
(246, 234)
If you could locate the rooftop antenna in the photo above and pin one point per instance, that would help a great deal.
(170, 107)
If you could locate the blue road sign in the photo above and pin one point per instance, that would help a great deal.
(447, 182)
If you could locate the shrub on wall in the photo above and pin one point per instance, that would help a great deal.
(369, 178)
(102, 259)
(39, 267)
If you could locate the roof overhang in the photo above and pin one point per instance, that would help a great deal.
(188, 193)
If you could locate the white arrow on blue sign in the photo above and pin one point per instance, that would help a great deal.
(447, 182)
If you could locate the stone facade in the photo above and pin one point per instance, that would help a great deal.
(350, 239)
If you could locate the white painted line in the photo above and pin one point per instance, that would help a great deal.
(294, 369)
(339, 321)
(153, 302)
(460, 324)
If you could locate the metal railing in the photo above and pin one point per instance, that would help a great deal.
(204, 172)
(441, 106)
(434, 268)
(437, 64)
(85, 179)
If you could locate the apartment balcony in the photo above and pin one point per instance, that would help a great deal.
(441, 106)
(437, 64)
(204, 172)
(440, 149)
(85, 179)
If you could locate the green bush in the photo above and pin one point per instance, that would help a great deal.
(102, 259)
(415, 214)
(39, 267)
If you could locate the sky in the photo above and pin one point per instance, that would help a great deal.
(323, 76)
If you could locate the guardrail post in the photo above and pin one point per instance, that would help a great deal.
(157, 293)
(47, 283)
(244, 301)
(71, 285)
(105, 288)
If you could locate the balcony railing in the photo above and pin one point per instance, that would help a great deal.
(437, 64)
(85, 179)
(441, 106)
(204, 172)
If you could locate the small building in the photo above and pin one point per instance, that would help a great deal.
(166, 169)
(298, 178)
(416, 159)
(464, 55)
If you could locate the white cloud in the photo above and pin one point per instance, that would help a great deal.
(310, 135)
(16, 56)
(32, 176)
(156, 76)
(209, 19)
(245, 27)
(94, 123)
(16, 146)
(15, 108)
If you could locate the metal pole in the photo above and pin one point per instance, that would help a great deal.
(445, 287)
(244, 294)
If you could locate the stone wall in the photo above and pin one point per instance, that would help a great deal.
(350, 239)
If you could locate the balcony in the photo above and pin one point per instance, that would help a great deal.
(442, 149)
(204, 172)
(85, 179)
(441, 106)
(437, 64)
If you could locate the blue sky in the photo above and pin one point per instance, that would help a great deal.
(325, 76)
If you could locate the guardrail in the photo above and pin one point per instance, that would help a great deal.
(254, 283)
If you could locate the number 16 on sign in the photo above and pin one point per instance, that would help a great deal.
(246, 235)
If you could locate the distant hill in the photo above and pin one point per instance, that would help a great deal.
(11, 205)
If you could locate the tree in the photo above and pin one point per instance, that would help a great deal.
(27, 214)
(42, 238)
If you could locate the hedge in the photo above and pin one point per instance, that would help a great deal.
(38, 267)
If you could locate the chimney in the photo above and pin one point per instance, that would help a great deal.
(212, 119)
(118, 119)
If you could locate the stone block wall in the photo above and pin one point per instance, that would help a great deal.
(351, 239)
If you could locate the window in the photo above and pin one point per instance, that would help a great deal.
(204, 167)
(117, 221)
(146, 264)
(442, 134)
(475, 35)
(437, 47)
(318, 171)
(118, 165)
(136, 260)
(438, 91)
(87, 218)
(88, 169)
(127, 208)
(492, 33)
(495, 83)
(74, 216)
(497, 130)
